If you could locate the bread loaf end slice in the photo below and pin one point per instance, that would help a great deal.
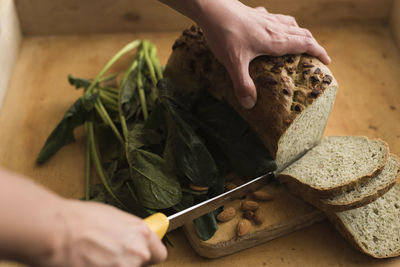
(375, 228)
(338, 164)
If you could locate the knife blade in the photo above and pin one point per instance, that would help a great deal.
(161, 224)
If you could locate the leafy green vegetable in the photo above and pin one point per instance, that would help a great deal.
(226, 129)
(155, 188)
(63, 134)
(128, 96)
(78, 82)
(147, 145)
(192, 158)
(119, 183)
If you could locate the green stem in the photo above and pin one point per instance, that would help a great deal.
(142, 95)
(124, 126)
(88, 165)
(107, 120)
(145, 47)
(156, 63)
(97, 164)
(118, 55)
(131, 68)
(108, 98)
(111, 107)
(109, 77)
(109, 90)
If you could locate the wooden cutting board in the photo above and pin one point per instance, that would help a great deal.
(284, 214)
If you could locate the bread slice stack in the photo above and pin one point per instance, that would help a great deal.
(353, 180)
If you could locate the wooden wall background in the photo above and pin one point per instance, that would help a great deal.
(83, 16)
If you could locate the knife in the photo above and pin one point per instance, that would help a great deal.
(161, 224)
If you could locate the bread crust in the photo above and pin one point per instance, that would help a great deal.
(286, 85)
(311, 192)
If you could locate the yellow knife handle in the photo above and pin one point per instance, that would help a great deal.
(158, 223)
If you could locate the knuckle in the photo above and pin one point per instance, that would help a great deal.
(144, 255)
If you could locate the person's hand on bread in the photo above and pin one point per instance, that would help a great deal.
(237, 34)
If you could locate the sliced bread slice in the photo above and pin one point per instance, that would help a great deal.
(375, 228)
(367, 192)
(336, 165)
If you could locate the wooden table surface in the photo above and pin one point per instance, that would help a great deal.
(365, 63)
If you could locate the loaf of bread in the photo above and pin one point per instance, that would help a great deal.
(295, 93)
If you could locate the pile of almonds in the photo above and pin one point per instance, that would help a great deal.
(251, 213)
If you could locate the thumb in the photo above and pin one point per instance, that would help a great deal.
(244, 87)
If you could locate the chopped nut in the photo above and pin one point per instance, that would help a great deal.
(249, 205)
(286, 91)
(297, 108)
(317, 71)
(226, 215)
(198, 187)
(307, 65)
(248, 214)
(327, 79)
(243, 227)
(262, 195)
(290, 59)
(266, 81)
(276, 70)
(229, 186)
(314, 79)
(315, 93)
(305, 73)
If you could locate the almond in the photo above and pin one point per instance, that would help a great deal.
(229, 186)
(248, 214)
(262, 195)
(249, 205)
(226, 215)
(198, 187)
(259, 216)
(243, 227)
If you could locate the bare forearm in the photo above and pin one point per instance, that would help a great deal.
(29, 214)
(200, 11)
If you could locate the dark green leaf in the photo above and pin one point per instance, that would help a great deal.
(78, 82)
(119, 183)
(140, 136)
(155, 187)
(206, 225)
(191, 156)
(129, 99)
(109, 147)
(63, 134)
(221, 126)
